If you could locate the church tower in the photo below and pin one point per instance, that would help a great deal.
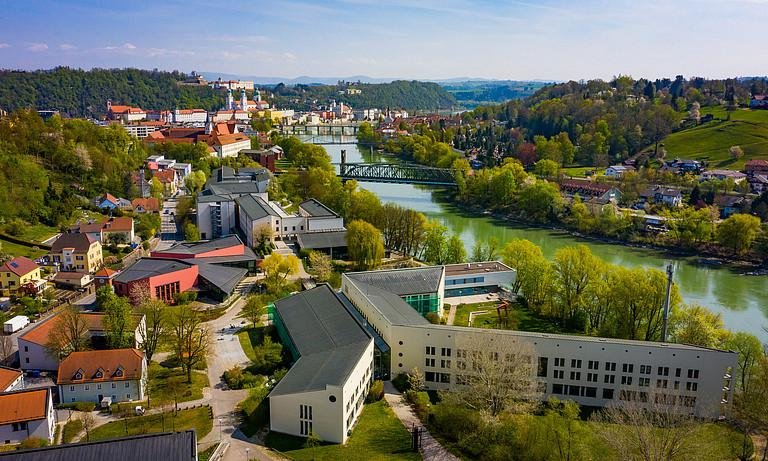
(230, 101)
(243, 101)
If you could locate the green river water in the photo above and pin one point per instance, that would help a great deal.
(742, 300)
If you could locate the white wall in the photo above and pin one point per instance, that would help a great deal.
(329, 419)
(493, 279)
(33, 356)
(39, 428)
(366, 308)
(712, 365)
(90, 392)
(231, 150)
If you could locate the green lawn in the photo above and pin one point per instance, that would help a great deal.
(578, 171)
(248, 338)
(378, 435)
(711, 141)
(170, 384)
(71, 429)
(199, 419)
(15, 249)
(462, 312)
(519, 318)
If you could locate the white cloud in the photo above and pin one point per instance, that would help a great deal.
(4, 45)
(67, 47)
(123, 47)
(37, 47)
(241, 38)
(161, 52)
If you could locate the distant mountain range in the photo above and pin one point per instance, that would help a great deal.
(308, 80)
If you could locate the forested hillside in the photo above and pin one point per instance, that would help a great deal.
(80, 93)
(410, 95)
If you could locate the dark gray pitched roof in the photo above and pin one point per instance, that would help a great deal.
(194, 248)
(390, 305)
(330, 239)
(149, 267)
(176, 446)
(76, 240)
(315, 208)
(403, 282)
(327, 337)
(236, 188)
(222, 277)
(255, 207)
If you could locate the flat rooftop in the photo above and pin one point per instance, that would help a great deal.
(402, 282)
(476, 268)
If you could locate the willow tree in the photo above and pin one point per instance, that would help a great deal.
(364, 244)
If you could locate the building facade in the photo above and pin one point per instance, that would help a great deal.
(91, 376)
(17, 273)
(76, 252)
(26, 414)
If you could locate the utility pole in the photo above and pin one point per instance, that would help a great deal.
(666, 304)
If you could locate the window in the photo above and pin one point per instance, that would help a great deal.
(430, 350)
(593, 365)
(119, 372)
(610, 366)
(557, 389)
(445, 351)
(590, 392)
(573, 390)
(661, 383)
(609, 379)
(644, 382)
(542, 370)
(693, 374)
(677, 385)
(645, 369)
(575, 375)
(98, 387)
(663, 371)
(575, 363)
(627, 368)
(445, 364)
(26, 348)
(677, 372)
(114, 385)
(626, 380)
(71, 388)
(592, 377)
(127, 384)
(22, 426)
(429, 376)
(559, 374)
(559, 362)
(429, 362)
(691, 386)
(87, 387)
(445, 378)
(128, 396)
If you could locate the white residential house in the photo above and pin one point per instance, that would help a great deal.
(118, 375)
(617, 171)
(11, 379)
(25, 414)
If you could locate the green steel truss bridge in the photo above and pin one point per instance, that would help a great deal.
(397, 173)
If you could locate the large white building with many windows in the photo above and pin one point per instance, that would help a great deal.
(592, 371)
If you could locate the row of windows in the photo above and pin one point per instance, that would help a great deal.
(87, 387)
(444, 351)
(611, 366)
(465, 281)
(114, 397)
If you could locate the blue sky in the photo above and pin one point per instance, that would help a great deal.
(408, 39)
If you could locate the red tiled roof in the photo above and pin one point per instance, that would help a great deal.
(118, 224)
(19, 265)
(7, 377)
(149, 204)
(105, 272)
(23, 406)
(110, 197)
(106, 362)
(166, 176)
(588, 187)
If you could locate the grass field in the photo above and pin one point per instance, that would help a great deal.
(378, 436)
(711, 141)
(519, 318)
(15, 249)
(198, 419)
(248, 338)
(170, 384)
(71, 429)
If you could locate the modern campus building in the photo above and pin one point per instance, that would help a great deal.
(390, 305)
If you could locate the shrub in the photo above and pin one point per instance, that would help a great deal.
(401, 382)
(237, 378)
(256, 407)
(376, 392)
(15, 227)
(419, 402)
(454, 421)
(32, 442)
(267, 357)
(79, 406)
(433, 318)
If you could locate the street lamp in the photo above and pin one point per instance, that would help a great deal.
(247, 454)
(220, 424)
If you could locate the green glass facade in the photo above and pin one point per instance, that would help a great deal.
(285, 338)
(424, 304)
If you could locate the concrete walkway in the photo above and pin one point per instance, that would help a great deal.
(451, 315)
(430, 449)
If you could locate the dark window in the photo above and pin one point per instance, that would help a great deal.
(573, 390)
(542, 371)
(429, 376)
(557, 389)
(591, 392)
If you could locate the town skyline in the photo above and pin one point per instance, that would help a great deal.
(552, 40)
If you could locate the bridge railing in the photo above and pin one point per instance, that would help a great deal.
(403, 173)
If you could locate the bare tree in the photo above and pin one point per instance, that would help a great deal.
(6, 347)
(70, 333)
(139, 293)
(154, 327)
(495, 373)
(650, 431)
(190, 338)
(89, 422)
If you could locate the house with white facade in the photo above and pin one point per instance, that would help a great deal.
(26, 414)
(324, 391)
(116, 375)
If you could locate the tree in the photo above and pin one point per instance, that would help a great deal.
(485, 250)
(694, 324)
(262, 237)
(650, 432)
(574, 268)
(561, 418)
(736, 152)
(435, 242)
(321, 266)
(454, 250)
(190, 339)
(750, 352)
(191, 232)
(750, 408)
(255, 307)
(118, 322)
(498, 374)
(6, 347)
(546, 168)
(738, 232)
(415, 380)
(540, 201)
(89, 422)
(364, 244)
(70, 334)
(534, 272)
(194, 182)
(277, 268)
(154, 327)
(156, 189)
(313, 441)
